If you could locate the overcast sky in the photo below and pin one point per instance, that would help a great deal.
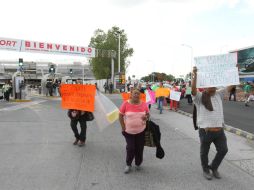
(156, 29)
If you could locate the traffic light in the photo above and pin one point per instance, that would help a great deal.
(20, 62)
(123, 79)
(52, 69)
(71, 72)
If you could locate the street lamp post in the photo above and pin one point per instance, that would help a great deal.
(119, 37)
(188, 46)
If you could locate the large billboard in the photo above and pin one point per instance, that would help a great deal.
(245, 59)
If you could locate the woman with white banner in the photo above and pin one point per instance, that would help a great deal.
(175, 96)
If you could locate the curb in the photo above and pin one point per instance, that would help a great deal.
(228, 128)
(18, 100)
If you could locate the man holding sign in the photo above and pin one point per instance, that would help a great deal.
(210, 118)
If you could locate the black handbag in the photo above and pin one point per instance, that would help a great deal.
(149, 141)
(89, 116)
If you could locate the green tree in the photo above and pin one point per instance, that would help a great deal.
(155, 76)
(104, 43)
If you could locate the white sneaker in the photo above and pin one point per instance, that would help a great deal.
(127, 169)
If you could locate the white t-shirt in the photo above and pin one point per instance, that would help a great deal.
(206, 118)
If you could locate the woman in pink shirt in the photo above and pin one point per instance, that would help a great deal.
(133, 115)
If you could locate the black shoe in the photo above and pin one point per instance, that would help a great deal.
(75, 142)
(81, 143)
(207, 175)
(216, 174)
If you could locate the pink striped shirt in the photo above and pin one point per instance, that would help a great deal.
(133, 117)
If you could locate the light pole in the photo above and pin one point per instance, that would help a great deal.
(188, 46)
(119, 38)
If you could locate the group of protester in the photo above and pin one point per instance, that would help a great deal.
(134, 113)
(52, 87)
(209, 119)
(108, 87)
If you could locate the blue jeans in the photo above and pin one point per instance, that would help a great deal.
(160, 104)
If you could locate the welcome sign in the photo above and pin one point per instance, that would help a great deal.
(42, 47)
(217, 70)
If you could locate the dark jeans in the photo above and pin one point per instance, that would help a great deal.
(220, 141)
(234, 95)
(160, 104)
(189, 98)
(7, 96)
(82, 135)
(134, 147)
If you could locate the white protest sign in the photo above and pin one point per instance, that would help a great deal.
(217, 70)
(174, 95)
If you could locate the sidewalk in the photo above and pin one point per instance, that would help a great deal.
(36, 152)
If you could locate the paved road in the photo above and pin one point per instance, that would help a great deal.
(36, 153)
(236, 114)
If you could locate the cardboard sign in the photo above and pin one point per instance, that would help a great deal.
(162, 92)
(126, 96)
(218, 70)
(78, 96)
(150, 96)
(174, 95)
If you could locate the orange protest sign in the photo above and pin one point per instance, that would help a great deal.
(143, 97)
(78, 96)
(162, 92)
(126, 96)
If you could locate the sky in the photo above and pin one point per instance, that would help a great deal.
(165, 34)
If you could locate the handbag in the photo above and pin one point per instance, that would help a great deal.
(149, 136)
(89, 116)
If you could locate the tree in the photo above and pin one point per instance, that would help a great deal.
(104, 43)
(158, 77)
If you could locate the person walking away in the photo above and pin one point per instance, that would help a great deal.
(78, 116)
(232, 93)
(133, 116)
(160, 99)
(210, 121)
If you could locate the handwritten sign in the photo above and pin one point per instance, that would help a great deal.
(78, 96)
(217, 70)
(174, 95)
